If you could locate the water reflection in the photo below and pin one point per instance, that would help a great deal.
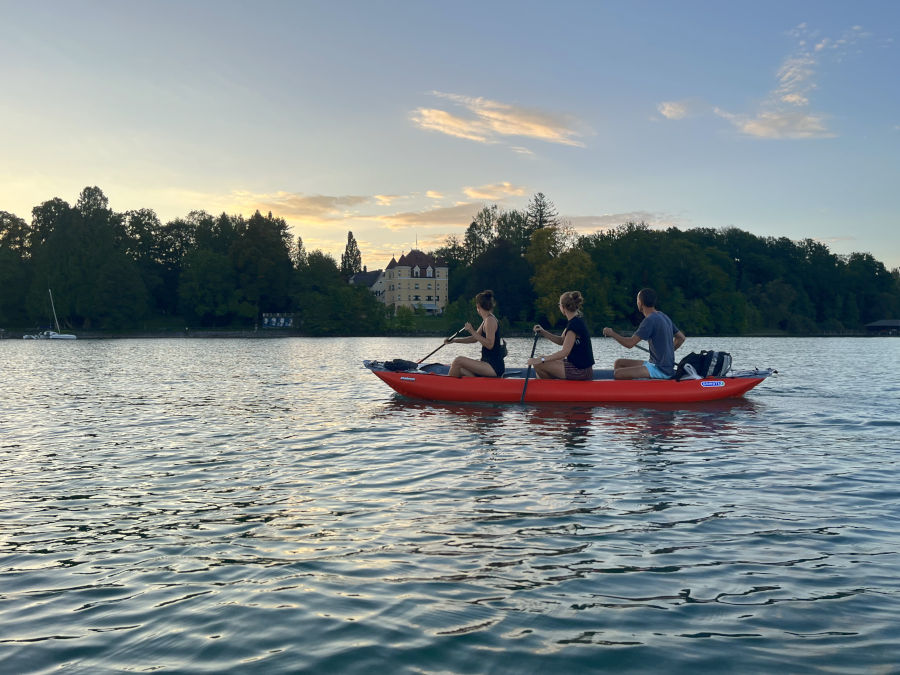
(482, 418)
(648, 427)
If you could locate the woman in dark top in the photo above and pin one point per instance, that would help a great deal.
(488, 335)
(575, 360)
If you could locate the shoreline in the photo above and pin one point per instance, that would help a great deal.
(278, 334)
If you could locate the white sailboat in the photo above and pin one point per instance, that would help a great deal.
(51, 334)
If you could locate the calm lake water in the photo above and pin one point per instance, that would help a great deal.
(200, 506)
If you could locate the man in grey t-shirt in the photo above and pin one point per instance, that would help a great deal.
(662, 335)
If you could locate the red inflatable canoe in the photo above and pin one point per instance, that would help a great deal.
(432, 386)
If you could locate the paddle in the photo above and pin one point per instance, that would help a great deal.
(442, 344)
(643, 349)
(528, 370)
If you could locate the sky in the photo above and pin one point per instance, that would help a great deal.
(399, 120)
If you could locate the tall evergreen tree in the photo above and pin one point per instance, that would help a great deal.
(298, 255)
(540, 213)
(351, 260)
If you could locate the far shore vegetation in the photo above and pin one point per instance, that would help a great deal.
(129, 274)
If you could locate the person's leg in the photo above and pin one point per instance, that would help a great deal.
(631, 372)
(627, 363)
(654, 371)
(550, 370)
(463, 366)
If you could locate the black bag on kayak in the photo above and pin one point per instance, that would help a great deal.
(704, 364)
(400, 365)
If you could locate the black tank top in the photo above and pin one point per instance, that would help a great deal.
(494, 355)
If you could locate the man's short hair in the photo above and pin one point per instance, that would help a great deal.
(648, 297)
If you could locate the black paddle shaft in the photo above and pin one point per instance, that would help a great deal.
(442, 344)
(528, 370)
(643, 349)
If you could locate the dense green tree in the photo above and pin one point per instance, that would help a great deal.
(327, 305)
(142, 239)
(208, 284)
(453, 253)
(503, 269)
(14, 235)
(14, 268)
(262, 260)
(80, 255)
(207, 290)
(177, 237)
(44, 218)
(512, 226)
(481, 233)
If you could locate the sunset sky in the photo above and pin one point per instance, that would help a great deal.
(399, 120)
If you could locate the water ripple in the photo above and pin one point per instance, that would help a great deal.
(163, 512)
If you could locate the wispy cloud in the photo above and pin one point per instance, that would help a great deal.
(494, 192)
(785, 113)
(486, 121)
(307, 208)
(778, 124)
(608, 221)
(386, 200)
(445, 216)
(673, 110)
(292, 206)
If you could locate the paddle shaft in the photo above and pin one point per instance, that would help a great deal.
(528, 370)
(643, 349)
(442, 344)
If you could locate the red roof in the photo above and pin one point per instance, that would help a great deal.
(417, 257)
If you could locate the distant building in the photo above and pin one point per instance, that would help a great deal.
(278, 320)
(884, 327)
(371, 280)
(416, 280)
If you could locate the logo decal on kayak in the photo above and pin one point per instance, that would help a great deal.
(712, 383)
(412, 379)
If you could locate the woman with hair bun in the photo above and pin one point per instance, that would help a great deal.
(488, 335)
(575, 360)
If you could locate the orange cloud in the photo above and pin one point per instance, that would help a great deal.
(488, 121)
(458, 215)
(494, 192)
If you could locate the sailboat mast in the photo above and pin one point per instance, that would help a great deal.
(55, 320)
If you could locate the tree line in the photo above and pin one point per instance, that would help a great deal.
(113, 271)
(131, 271)
(710, 281)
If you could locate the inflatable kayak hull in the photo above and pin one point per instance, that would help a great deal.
(434, 387)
